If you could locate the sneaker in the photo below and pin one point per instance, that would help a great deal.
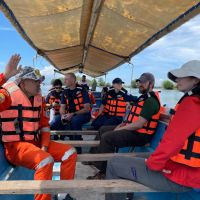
(54, 197)
(68, 197)
(98, 176)
(129, 196)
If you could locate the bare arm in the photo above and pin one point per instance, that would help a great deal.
(133, 126)
(84, 110)
(62, 109)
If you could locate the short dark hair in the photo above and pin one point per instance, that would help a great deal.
(105, 89)
(57, 82)
(72, 75)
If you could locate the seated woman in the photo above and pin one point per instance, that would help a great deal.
(175, 164)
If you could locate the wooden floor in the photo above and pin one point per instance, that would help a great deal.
(82, 172)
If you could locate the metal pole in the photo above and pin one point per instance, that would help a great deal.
(131, 64)
(35, 60)
(56, 71)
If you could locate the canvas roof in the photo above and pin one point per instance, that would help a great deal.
(95, 36)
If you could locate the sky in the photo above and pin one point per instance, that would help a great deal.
(169, 52)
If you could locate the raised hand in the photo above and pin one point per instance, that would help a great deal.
(12, 67)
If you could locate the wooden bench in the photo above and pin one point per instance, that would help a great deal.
(80, 143)
(72, 132)
(65, 186)
(103, 156)
(95, 157)
(9, 188)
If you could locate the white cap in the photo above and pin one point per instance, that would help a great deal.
(191, 68)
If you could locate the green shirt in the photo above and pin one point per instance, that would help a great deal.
(150, 108)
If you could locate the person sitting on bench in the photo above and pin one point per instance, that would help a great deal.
(138, 128)
(113, 107)
(75, 106)
(175, 164)
(25, 130)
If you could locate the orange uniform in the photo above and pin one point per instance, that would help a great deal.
(25, 129)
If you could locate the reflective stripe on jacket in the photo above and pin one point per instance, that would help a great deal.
(21, 120)
(190, 153)
(150, 126)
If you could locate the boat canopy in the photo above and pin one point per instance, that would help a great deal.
(95, 36)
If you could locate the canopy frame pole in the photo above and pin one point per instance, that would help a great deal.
(57, 71)
(35, 59)
(132, 66)
(94, 17)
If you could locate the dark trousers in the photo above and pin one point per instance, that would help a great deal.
(106, 120)
(110, 140)
(56, 124)
(102, 130)
(76, 123)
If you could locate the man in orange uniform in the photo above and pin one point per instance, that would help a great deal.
(25, 129)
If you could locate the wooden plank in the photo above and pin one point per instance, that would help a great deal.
(98, 157)
(74, 132)
(103, 156)
(80, 143)
(65, 186)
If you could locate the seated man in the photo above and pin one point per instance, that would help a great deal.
(139, 126)
(84, 83)
(113, 107)
(24, 127)
(75, 106)
(53, 100)
(175, 164)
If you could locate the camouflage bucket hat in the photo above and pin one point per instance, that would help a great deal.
(29, 73)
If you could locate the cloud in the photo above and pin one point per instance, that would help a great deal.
(185, 37)
(6, 29)
(170, 51)
(2, 64)
(48, 72)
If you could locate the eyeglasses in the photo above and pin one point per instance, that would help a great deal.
(58, 88)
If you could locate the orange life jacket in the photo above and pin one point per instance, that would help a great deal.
(21, 120)
(150, 126)
(190, 153)
(92, 98)
(115, 106)
(77, 99)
